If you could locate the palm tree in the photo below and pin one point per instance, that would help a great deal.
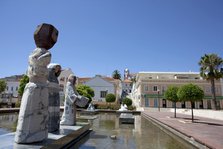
(116, 74)
(210, 69)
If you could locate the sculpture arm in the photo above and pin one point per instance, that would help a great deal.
(71, 94)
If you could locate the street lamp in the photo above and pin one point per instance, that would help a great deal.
(158, 91)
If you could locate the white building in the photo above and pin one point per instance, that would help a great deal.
(102, 86)
(64, 77)
(12, 84)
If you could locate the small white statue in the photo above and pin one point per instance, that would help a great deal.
(90, 107)
(123, 107)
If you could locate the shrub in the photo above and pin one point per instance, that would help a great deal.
(110, 98)
(18, 103)
(102, 106)
(131, 107)
(114, 107)
(127, 101)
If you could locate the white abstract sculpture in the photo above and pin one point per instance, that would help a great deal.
(123, 107)
(90, 107)
(72, 98)
(33, 115)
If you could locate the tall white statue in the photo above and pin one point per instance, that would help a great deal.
(72, 98)
(54, 97)
(33, 115)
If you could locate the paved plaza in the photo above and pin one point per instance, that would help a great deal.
(206, 131)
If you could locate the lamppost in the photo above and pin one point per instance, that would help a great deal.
(158, 91)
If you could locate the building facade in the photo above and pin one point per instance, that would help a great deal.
(102, 86)
(64, 77)
(12, 85)
(126, 87)
(127, 83)
(149, 89)
(10, 96)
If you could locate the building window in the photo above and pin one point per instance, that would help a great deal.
(146, 102)
(216, 89)
(7, 88)
(146, 88)
(155, 102)
(163, 89)
(207, 90)
(12, 88)
(103, 94)
(155, 88)
(16, 88)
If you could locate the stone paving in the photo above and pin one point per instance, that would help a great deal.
(206, 131)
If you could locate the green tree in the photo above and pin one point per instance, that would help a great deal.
(116, 75)
(110, 98)
(171, 94)
(22, 84)
(127, 101)
(2, 86)
(210, 69)
(85, 91)
(192, 93)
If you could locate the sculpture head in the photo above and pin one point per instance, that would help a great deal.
(56, 68)
(45, 36)
(72, 79)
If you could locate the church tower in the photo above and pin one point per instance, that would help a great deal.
(126, 74)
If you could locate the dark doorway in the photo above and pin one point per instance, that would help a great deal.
(209, 104)
(183, 104)
(201, 104)
(164, 103)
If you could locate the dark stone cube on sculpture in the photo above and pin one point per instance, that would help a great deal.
(45, 36)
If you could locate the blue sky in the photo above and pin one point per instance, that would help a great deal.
(99, 36)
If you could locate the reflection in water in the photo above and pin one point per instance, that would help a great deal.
(142, 135)
(8, 123)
